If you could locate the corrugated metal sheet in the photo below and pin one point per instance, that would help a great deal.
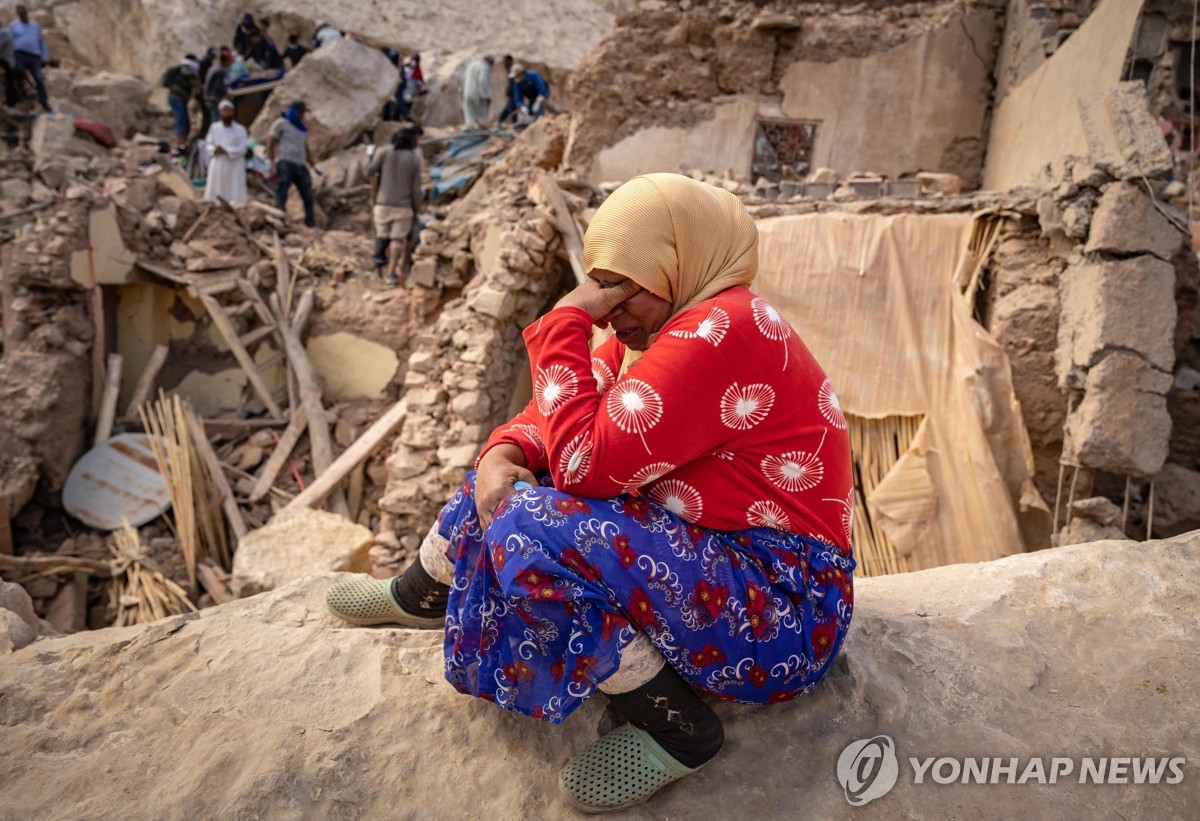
(117, 479)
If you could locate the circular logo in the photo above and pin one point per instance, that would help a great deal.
(867, 769)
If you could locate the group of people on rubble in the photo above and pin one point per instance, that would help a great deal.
(527, 94)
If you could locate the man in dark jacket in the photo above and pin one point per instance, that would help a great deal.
(181, 82)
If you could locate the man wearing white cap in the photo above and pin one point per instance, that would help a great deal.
(226, 143)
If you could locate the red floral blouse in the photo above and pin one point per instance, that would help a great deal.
(727, 420)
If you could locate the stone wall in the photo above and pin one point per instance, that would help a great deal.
(901, 89)
(499, 246)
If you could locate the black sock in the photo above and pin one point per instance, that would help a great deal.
(671, 711)
(418, 593)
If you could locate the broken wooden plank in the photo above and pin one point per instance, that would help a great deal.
(145, 383)
(310, 399)
(548, 192)
(172, 276)
(252, 296)
(267, 209)
(216, 587)
(108, 402)
(279, 456)
(283, 279)
(205, 450)
(257, 335)
(199, 221)
(218, 263)
(229, 334)
(327, 480)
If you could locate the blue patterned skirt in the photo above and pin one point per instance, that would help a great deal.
(542, 606)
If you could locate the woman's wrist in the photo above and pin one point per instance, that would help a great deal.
(504, 451)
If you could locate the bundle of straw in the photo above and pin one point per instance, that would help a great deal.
(876, 445)
(196, 520)
(140, 592)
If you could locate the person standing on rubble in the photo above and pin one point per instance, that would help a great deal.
(294, 52)
(287, 149)
(241, 34)
(671, 513)
(181, 82)
(396, 197)
(30, 53)
(226, 142)
(477, 91)
(262, 51)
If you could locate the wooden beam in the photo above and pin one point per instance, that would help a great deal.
(310, 399)
(549, 194)
(218, 263)
(108, 402)
(229, 334)
(205, 449)
(283, 277)
(329, 479)
(279, 456)
(145, 383)
(213, 583)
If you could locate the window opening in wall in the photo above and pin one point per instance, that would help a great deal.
(782, 149)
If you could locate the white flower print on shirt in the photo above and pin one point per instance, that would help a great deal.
(795, 470)
(650, 473)
(576, 458)
(830, 406)
(771, 324)
(743, 408)
(767, 514)
(603, 373)
(847, 513)
(531, 433)
(678, 497)
(711, 329)
(553, 387)
(634, 407)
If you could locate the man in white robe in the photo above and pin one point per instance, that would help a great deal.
(477, 91)
(226, 143)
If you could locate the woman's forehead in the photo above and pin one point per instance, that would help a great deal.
(604, 275)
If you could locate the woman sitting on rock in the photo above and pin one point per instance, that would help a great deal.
(671, 511)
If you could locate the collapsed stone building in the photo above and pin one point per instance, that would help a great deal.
(1027, 137)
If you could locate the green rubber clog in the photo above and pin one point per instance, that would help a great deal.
(622, 769)
(364, 600)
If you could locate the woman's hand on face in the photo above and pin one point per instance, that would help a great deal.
(499, 469)
(597, 300)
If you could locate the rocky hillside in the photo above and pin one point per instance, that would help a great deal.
(267, 708)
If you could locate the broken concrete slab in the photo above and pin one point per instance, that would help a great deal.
(1121, 425)
(352, 367)
(1122, 133)
(1176, 500)
(297, 544)
(212, 394)
(934, 182)
(107, 260)
(1126, 304)
(1126, 222)
(51, 137)
(344, 85)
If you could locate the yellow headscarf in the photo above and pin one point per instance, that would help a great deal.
(682, 240)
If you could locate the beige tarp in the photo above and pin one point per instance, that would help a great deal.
(875, 299)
